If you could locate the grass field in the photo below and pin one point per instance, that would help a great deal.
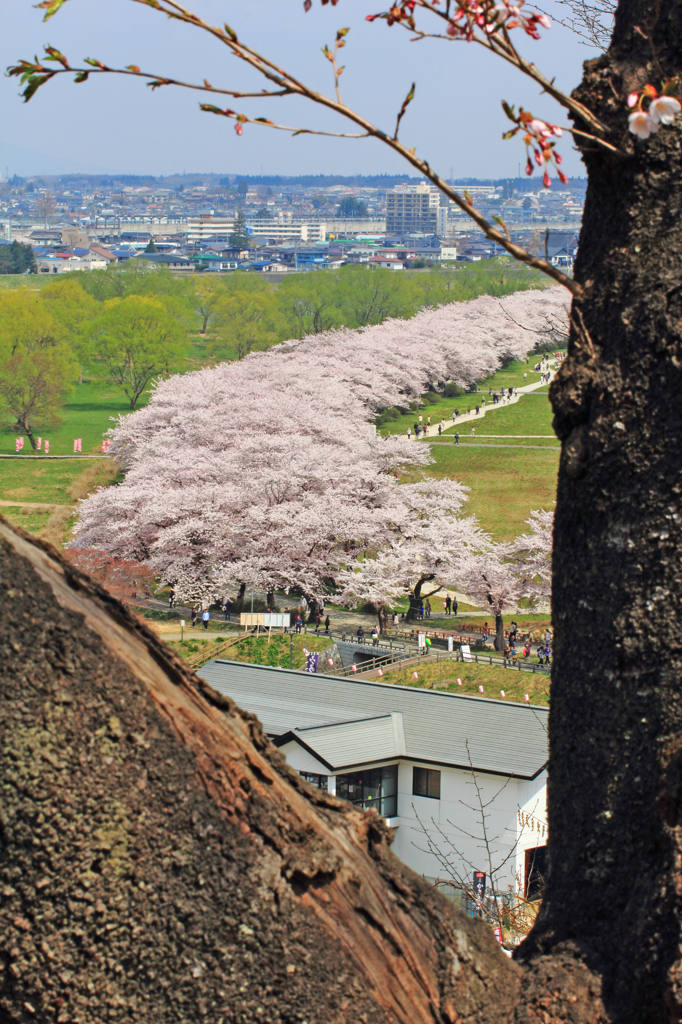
(444, 676)
(87, 414)
(256, 650)
(443, 408)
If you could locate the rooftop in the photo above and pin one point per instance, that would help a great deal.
(355, 721)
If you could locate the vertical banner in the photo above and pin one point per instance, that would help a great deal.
(479, 892)
(421, 639)
(311, 662)
(47, 447)
(451, 643)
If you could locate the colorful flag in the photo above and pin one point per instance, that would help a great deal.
(311, 662)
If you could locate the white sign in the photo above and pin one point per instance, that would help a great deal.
(466, 652)
(451, 643)
(421, 639)
(182, 622)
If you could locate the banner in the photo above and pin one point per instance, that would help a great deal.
(311, 662)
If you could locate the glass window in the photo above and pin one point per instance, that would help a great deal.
(426, 782)
(315, 780)
(375, 788)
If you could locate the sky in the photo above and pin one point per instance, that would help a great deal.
(116, 125)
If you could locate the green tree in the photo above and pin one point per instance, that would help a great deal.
(17, 258)
(36, 363)
(352, 207)
(246, 319)
(137, 338)
(151, 247)
(309, 304)
(240, 237)
(73, 309)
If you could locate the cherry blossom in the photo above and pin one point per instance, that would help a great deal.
(268, 471)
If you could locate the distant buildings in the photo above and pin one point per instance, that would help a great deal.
(413, 209)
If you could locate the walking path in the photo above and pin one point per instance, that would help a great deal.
(18, 503)
(472, 444)
(467, 417)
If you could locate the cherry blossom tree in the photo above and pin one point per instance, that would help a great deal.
(426, 547)
(532, 555)
(267, 471)
(489, 578)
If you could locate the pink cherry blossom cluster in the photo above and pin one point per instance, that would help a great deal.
(488, 16)
(539, 138)
(267, 471)
(662, 109)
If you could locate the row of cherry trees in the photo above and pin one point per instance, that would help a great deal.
(267, 472)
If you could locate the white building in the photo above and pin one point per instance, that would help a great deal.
(411, 754)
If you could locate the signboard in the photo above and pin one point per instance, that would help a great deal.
(479, 886)
(311, 662)
(451, 643)
(466, 652)
(276, 619)
(421, 640)
(497, 932)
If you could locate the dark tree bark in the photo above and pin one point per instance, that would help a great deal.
(612, 905)
(499, 643)
(160, 862)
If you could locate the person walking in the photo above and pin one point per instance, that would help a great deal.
(360, 634)
(440, 430)
(456, 438)
(473, 432)
(428, 421)
(478, 410)
(454, 416)
(448, 605)
(194, 617)
(228, 610)
(455, 605)
(409, 434)
(426, 430)
(171, 599)
(298, 622)
(327, 624)
(427, 606)
(526, 651)
(205, 615)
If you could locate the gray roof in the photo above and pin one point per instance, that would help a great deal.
(332, 714)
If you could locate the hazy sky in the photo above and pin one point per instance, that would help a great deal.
(116, 125)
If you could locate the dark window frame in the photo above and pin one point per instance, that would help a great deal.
(372, 789)
(426, 782)
(319, 781)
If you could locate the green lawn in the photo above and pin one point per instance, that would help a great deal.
(87, 414)
(443, 408)
(257, 650)
(493, 679)
(505, 484)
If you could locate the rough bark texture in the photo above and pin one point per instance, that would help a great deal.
(615, 783)
(160, 862)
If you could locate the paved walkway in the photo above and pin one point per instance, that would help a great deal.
(473, 444)
(32, 504)
(504, 403)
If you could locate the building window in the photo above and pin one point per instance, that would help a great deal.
(320, 781)
(535, 872)
(426, 782)
(375, 788)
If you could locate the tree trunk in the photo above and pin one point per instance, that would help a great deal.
(160, 862)
(414, 610)
(499, 634)
(240, 597)
(271, 599)
(612, 905)
(382, 616)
